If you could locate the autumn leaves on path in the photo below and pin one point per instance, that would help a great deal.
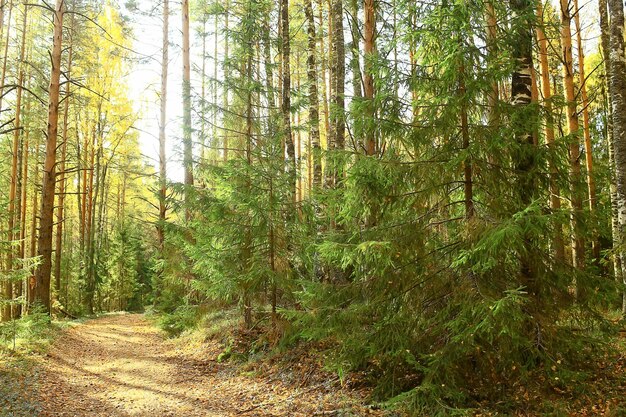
(122, 366)
(119, 366)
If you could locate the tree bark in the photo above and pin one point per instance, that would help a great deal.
(24, 205)
(355, 68)
(578, 244)
(493, 94)
(162, 123)
(617, 88)
(6, 53)
(521, 97)
(555, 197)
(314, 119)
(187, 128)
(226, 75)
(42, 289)
(32, 280)
(7, 286)
(465, 135)
(62, 184)
(605, 48)
(286, 94)
(15, 172)
(369, 33)
(336, 134)
(591, 185)
(323, 68)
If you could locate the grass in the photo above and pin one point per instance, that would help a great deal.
(21, 342)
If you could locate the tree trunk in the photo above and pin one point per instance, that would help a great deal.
(247, 249)
(187, 128)
(24, 205)
(42, 290)
(336, 134)
(323, 67)
(6, 53)
(555, 197)
(618, 100)
(267, 56)
(286, 94)
(203, 94)
(605, 47)
(18, 133)
(369, 33)
(32, 280)
(226, 75)
(521, 97)
(214, 142)
(314, 119)
(62, 185)
(8, 285)
(493, 94)
(578, 244)
(298, 139)
(162, 122)
(465, 135)
(355, 68)
(591, 185)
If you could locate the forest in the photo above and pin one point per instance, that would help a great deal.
(419, 207)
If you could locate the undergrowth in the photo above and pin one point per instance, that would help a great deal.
(586, 379)
(21, 341)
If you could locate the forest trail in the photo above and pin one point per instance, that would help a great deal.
(121, 365)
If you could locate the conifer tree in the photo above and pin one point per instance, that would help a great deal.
(44, 244)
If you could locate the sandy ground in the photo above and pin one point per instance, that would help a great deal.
(122, 366)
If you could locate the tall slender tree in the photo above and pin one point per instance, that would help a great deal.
(62, 174)
(187, 128)
(314, 120)
(605, 48)
(618, 104)
(44, 246)
(369, 34)
(336, 133)
(286, 93)
(582, 83)
(521, 98)
(578, 244)
(15, 170)
(555, 197)
(162, 124)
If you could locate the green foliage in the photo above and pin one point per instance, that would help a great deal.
(185, 317)
(442, 309)
(30, 332)
(127, 272)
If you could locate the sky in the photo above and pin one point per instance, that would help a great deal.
(145, 81)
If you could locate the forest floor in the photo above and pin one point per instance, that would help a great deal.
(122, 365)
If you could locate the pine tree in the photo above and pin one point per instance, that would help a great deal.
(44, 244)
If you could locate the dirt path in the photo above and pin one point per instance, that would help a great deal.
(121, 366)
